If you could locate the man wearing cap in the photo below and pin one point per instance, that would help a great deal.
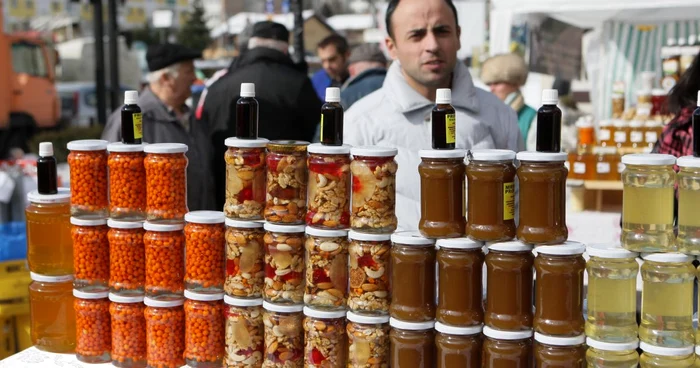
(367, 68)
(167, 119)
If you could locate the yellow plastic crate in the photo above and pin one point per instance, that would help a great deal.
(14, 280)
(22, 326)
(8, 342)
(12, 308)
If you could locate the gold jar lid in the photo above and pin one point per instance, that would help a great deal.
(285, 146)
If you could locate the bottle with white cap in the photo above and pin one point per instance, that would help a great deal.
(696, 129)
(247, 112)
(332, 119)
(132, 119)
(443, 120)
(46, 169)
(549, 123)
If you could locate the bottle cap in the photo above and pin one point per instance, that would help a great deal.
(131, 97)
(670, 41)
(443, 96)
(247, 89)
(46, 148)
(550, 96)
(332, 94)
(681, 41)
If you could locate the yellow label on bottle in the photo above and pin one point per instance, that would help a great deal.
(450, 127)
(508, 201)
(321, 127)
(138, 125)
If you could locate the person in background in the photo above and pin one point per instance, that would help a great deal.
(367, 70)
(167, 119)
(333, 52)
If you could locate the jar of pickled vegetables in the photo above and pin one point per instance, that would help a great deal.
(284, 264)
(90, 254)
(612, 294)
(442, 175)
(325, 340)
(245, 178)
(286, 182)
(127, 182)
(329, 186)
(664, 357)
(509, 308)
(165, 332)
(647, 203)
(458, 346)
(204, 329)
(412, 344)
(608, 355)
(49, 242)
(165, 261)
(368, 340)
(459, 297)
(555, 351)
(166, 182)
(373, 208)
(88, 178)
(326, 268)
(688, 239)
(369, 260)
(245, 259)
(245, 343)
(92, 321)
(284, 335)
(205, 255)
(127, 257)
(412, 263)
(51, 313)
(128, 331)
(511, 349)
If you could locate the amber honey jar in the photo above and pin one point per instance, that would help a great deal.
(412, 263)
(606, 163)
(51, 313)
(459, 302)
(458, 346)
(442, 193)
(412, 344)
(509, 286)
(552, 351)
(512, 349)
(49, 242)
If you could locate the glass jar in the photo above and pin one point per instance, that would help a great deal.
(459, 300)
(658, 357)
(165, 261)
(607, 160)
(658, 102)
(667, 300)
(582, 165)
(284, 264)
(51, 313)
(90, 254)
(373, 208)
(442, 177)
(326, 268)
(368, 340)
(688, 239)
(618, 105)
(166, 182)
(49, 242)
(128, 331)
(127, 182)
(637, 134)
(412, 344)
(509, 286)
(612, 294)
(284, 335)
(606, 132)
(286, 182)
(329, 186)
(245, 178)
(165, 332)
(458, 346)
(205, 255)
(88, 178)
(245, 343)
(369, 260)
(622, 134)
(325, 341)
(511, 349)
(542, 176)
(491, 195)
(653, 132)
(551, 351)
(647, 203)
(611, 355)
(127, 257)
(92, 321)
(412, 263)
(245, 259)
(559, 270)
(204, 329)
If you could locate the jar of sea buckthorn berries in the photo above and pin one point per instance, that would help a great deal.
(128, 331)
(205, 251)
(90, 254)
(166, 182)
(165, 333)
(127, 261)
(88, 178)
(165, 260)
(204, 329)
(127, 181)
(92, 323)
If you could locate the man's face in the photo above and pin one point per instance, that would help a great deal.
(333, 62)
(425, 41)
(502, 89)
(181, 86)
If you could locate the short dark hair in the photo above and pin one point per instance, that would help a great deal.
(340, 43)
(392, 7)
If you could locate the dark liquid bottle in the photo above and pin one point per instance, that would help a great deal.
(247, 110)
(132, 119)
(443, 121)
(332, 119)
(46, 169)
(696, 129)
(549, 123)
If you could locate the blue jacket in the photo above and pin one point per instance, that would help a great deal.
(321, 80)
(361, 85)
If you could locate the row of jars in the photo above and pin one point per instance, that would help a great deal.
(628, 134)
(601, 163)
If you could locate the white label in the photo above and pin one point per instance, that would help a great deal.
(620, 167)
(602, 167)
(604, 135)
(651, 137)
(620, 137)
(579, 167)
(637, 137)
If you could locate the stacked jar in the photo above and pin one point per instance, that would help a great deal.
(442, 174)
(204, 329)
(166, 182)
(127, 258)
(284, 335)
(164, 246)
(128, 331)
(368, 340)
(127, 182)
(459, 274)
(165, 332)
(51, 313)
(245, 178)
(369, 273)
(328, 186)
(688, 239)
(286, 182)
(88, 178)
(373, 208)
(326, 271)
(245, 342)
(205, 244)
(91, 260)
(93, 327)
(245, 259)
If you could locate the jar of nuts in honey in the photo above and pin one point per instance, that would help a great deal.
(166, 182)
(92, 321)
(325, 341)
(373, 189)
(326, 268)
(128, 331)
(245, 344)
(90, 254)
(370, 259)
(205, 244)
(329, 186)
(165, 261)
(284, 335)
(165, 332)
(245, 259)
(368, 340)
(286, 182)
(127, 182)
(284, 264)
(204, 330)
(88, 178)
(245, 178)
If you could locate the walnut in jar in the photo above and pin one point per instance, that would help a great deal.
(329, 187)
(244, 333)
(373, 189)
(284, 263)
(326, 268)
(245, 178)
(325, 341)
(245, 259)
(285, 200)
(284, 336)
(369, 273)
(368, 341)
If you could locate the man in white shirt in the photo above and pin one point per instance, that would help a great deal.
(423, 41)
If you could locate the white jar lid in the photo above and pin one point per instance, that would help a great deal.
(568, 248)
(320, 149)
(667, 257)
(510, 246)
(658, 350)
(150, 226)
(605, 123)
(609, 251)
(697, 350)
(620, 123)
(84, 222)
(462, 331)
(125, 299)
(46, 278)
(648, 159)
(609, 346)
(88, 145)
(238, 224)
(203, 297)
(205, 217)
(507, 335)
(688, 161)
(542, 156)
(323, 314)
(491, 155)
(90, 295)
(63, 196)
(163, 303)
(636, 124)
(459, 243)
(412, 326)
(288, 229)
(240, 302)
(410, 238)
(121, 147)
(246, 143)
(560, 341)
(282, 308)
(356, 235)
(165, 148)
(447, 153)
(374, 151)
(116, 224)
(367, 320)
(322, 233)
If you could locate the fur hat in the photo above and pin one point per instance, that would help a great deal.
(509, 68)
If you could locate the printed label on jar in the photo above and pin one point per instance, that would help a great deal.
(651, 137)
(138, 125)
(604, 135)
(620, 167)
(508, 201)
(603, 167)
(620, 137)
(636, 137)
(579, 167)
(450, 128)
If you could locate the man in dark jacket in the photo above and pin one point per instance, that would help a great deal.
(367, 67)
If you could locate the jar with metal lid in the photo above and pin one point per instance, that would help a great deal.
(127, 257)
(667, 300)
(373, 208)
(166, 182)
(647, 203)
(491, 195)
(368, 340)
(49, 242)
(606, 136)
(128, 331)
(551, 351)
(205, 255)
(325, 340)
(284, 335)
(369, 273)
(245, 259)
(442, 174)
(51, 313)
(637, 134)
(664, 357)
(412, 263)
(542, 176)
(245, 344)
(90, 254)
(458, 346)
(88, 178)
(559, 289)
(326, 268)
(459, 265)
(92, 321)
(245, 178)
(412, 344)
(165, 332)
(204, 329)
(607, 160)
(284, 264)
(652, 133)
(622, 133)
(329, 186)
(165, 261)
(506, 348)
(611, 355)
(127, 181)
(612, 294)
(688, 239)
(509, 277)
(286, 182)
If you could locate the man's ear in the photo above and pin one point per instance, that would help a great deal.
(391, 47)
